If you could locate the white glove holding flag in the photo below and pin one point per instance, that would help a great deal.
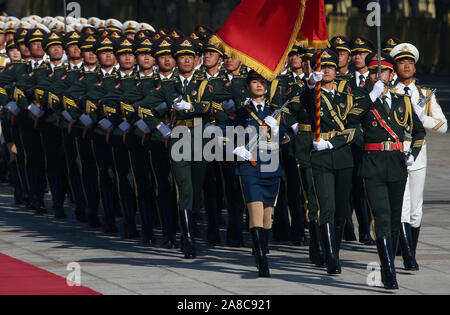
(377, 91)
(125, 126)
(142, 126)
(164, 130)
(182, 105)
(314, 78)
(322, 145)
(242, 152)
(68, 117)
(106, 124)
(13, 108)
(228, 104)
(86, 121)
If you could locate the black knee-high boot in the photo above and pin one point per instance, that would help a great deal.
(329, 243)
(316, 253)
(386, 254)
(258, 247)
(407, 246)
(187, 239)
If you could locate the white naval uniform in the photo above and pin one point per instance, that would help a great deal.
(434, 120)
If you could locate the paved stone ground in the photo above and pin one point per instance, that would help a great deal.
(112, 265)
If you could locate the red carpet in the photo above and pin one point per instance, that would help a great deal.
(20, 278)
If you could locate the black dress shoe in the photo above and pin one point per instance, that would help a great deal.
(41, 210)
(94, 222)
(367, 240)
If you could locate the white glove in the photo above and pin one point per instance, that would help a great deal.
(125, 126)
(420, 113)
(242, 152)
(409, 160)
(314, 78)
(142, 126)
(164, 130)
(271, 122)
(67, 116)
(182, 105)
(162, 108)
(322, 145)
(106, 124)
(294, 128)
(86, 121)
(13, 108)
(377, 91)
(35, 110)
(226, 105)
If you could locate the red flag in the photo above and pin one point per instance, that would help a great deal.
(261, 33)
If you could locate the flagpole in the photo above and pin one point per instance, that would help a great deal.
(379, 38)
(65, 16)
(318, 91)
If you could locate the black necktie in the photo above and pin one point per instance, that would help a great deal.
(259, 107)
(297, 79)
(406, 90)
(362, 80)
(385, 104)
(185, 84)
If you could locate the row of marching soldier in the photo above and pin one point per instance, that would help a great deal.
(89, 109)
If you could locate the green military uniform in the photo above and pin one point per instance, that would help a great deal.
(188, 172)
(383, 165)
(344, 44)
(359, 203)
(148, 153)
(80, 161)
(332, 166)
(94, 90)
(24, 94)
(8, 77)
(55, 160)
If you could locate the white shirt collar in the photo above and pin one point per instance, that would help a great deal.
(87, 69)
(35, 64)
(53, 67)
(188, 79)
(256, 104)
(333, 91)
(71, 65)
(107, 73)
(400, 87)
(165, 78)
(208, 76)
(122, 75)
(145, 76)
